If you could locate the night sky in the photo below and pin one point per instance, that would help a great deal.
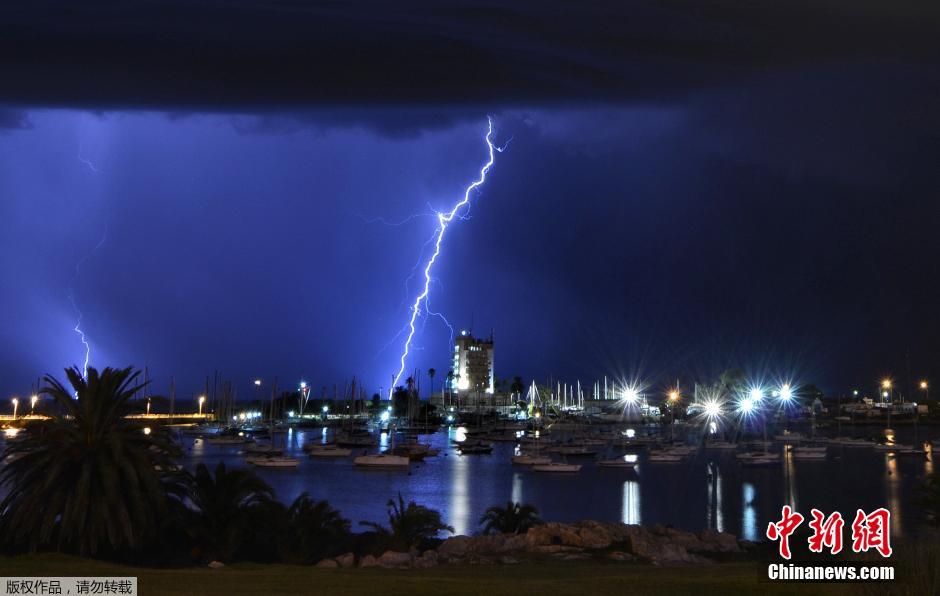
(685, 190)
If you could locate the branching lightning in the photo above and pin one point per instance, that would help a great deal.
(78, 313)
(443, 220)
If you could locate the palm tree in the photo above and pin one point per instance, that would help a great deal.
(222, 512)
(409, 526)
(90, 479)
(314, 531)
(517, 386)
(450, 383)
(515, 518)
(431, 373)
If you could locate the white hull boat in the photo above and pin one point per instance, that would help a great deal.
(721, 445)
(664, 458)
(807, 453)
(850, 442)
(263, 450)
(328, 451)
(557, 467)
(768, 460)
(227, 440)
(584, 451)
(382, 461)
(616, 463)
(275, 462)
(531, 460)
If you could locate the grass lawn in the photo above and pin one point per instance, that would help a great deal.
(549, 578)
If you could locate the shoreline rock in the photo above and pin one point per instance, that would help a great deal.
(611, 541)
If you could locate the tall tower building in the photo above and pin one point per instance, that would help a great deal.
(472, 365)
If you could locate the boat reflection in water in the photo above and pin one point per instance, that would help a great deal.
(630, 512)
(748, 512)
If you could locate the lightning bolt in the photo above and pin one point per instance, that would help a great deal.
(87, 162)
(78, 313)
(443, 220)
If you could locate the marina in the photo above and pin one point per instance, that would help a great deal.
(647, 479)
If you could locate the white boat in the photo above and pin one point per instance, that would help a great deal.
(274, 462)
(356, 440)
(807, 453)
(577, 450)
(891, 447)
(531, 460)
(720, 445)
(772, 459)
(788, 437)
(327, 451)
(664, 458)
(680, 450)
(263, 450)
(557, 467)
(591, 442)
(616, 463)
(851, 442)
(415, 451)
(227, 440)
(810, 449)
(908, 450)
(756, 455)
(475, 448)
(382, 460)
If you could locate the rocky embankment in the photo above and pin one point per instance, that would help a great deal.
(584, 540)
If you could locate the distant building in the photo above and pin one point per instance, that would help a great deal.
(472, 366)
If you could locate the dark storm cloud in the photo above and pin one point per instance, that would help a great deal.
(395, 123)
(246, 55)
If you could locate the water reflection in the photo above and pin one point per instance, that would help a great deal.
(460, 495)
(893, 480)
(630, 510)
(517, 488)
(789, 478)
(749, 513)
(713, 515)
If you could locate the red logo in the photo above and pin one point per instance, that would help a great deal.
(789, 522)
(827, 532)
(872, 531)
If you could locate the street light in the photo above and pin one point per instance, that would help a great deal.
(925, 387)
(673, 395)
(16, 403)
(202, 400)
(257, 382)
(786, 393)
(32, 403)
(886, 387)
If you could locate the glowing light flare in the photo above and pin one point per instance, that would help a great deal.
(631, 395)
(786, 393)
(443, 220)
(712, 409)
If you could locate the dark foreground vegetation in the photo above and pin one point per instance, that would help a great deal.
(528, 578)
